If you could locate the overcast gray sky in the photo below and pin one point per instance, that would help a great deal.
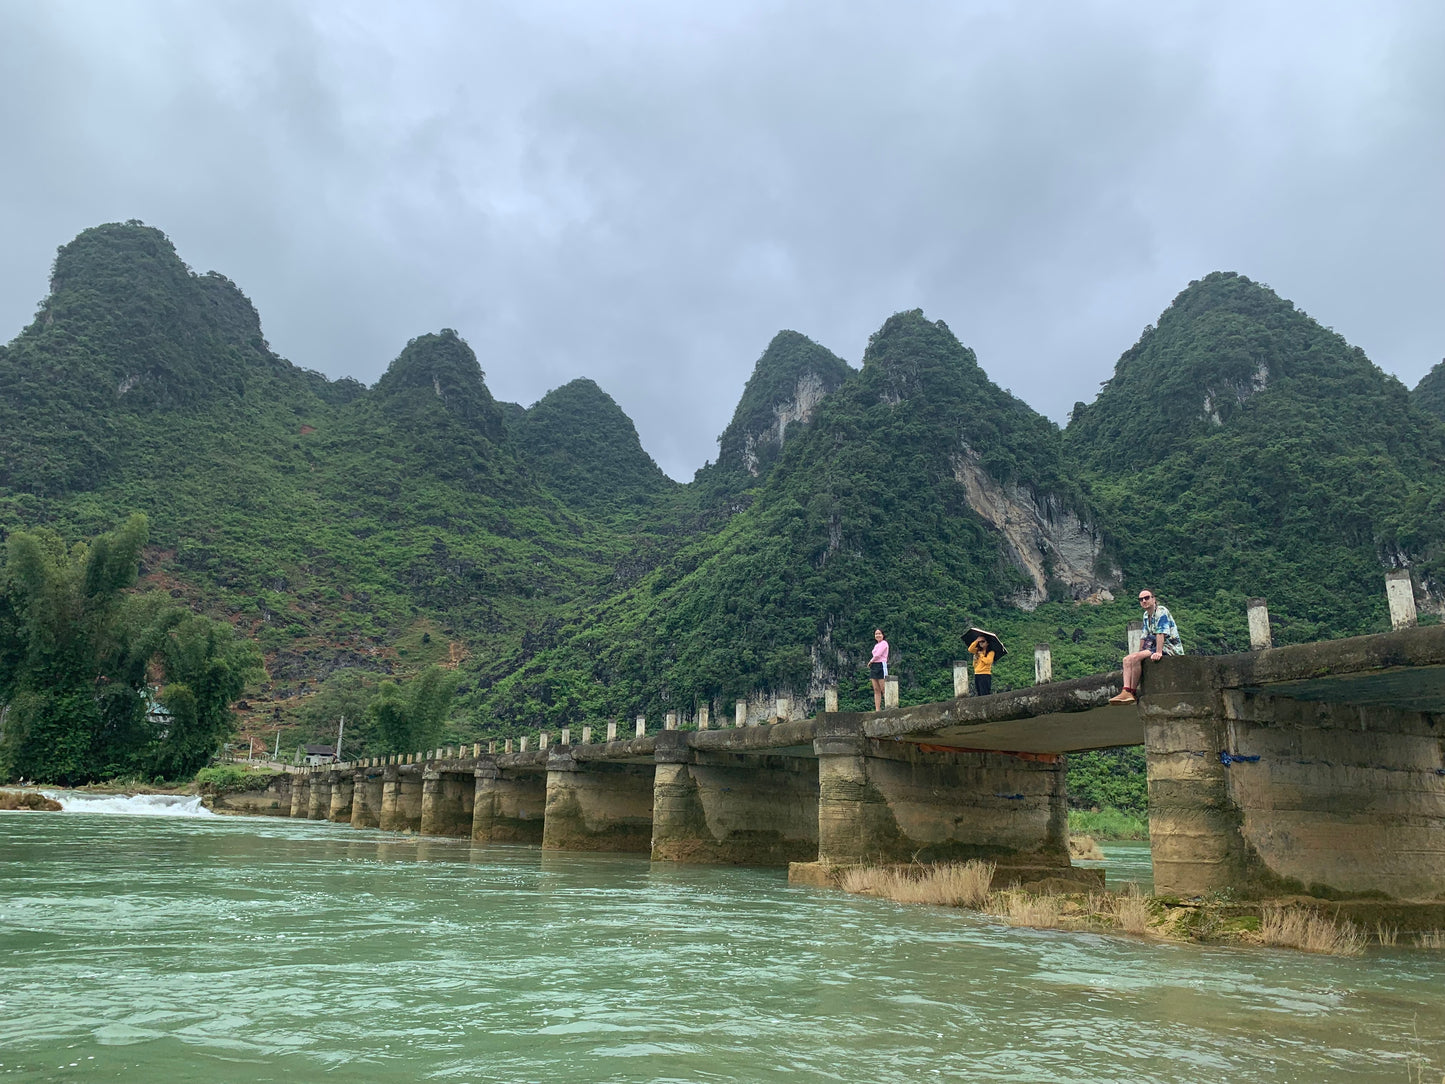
(645, 192)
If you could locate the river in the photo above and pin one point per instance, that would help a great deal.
(178, 948)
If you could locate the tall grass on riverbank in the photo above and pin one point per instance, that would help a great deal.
(960, 885)
(1310, 931)
(1107, 824)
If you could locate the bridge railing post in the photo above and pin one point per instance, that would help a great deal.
(492, 748)
(670, 721)
(1136, 635)
(566, 738)
(1401, 594)
(703, 722)
(1259, 636)
(586, 735)
(782, 710)
(1043, 664)
(960, 678)
(641, 725)
(612, 730)
(830, 698)
(890, 691)
(507, 746)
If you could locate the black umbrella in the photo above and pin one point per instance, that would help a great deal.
(999, 651)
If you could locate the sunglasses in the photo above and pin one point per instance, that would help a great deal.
(1145, 598)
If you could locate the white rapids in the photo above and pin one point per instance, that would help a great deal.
(142, 805)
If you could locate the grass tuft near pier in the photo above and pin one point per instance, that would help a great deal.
(1309, 931)
(963, 884)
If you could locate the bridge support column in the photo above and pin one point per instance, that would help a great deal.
(888, 802)
(597, 806)
(401, 798)
(447, 803)
(510, 804)
(1194, 825)
(366, 798)
(300, 794)
(731, 808)
(318, 807)
(342, 789)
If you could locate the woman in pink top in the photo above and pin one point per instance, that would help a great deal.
(878, 668)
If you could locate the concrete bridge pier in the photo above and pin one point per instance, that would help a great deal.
(366, 796)
(887, 801)
(318, 808)
(300, 795)
(715, 806)
(401, 798)
(446, 802)
(343, 785)
(1314, 769)
(597, 806)
(510, 803)
(1194, 825)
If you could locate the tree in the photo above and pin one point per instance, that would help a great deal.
(410, 717)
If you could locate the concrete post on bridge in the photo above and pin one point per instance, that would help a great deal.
(597, 805)
(342, 786)
(1258, 614)
(729, 808)
(366, 796)
(1043, 664)
(896, 802)
(446, 801)
(830, 698)
(1135, 635)
(960, 679)
(401, 794)
(890, 691)
(1401, 594)
(510, 802)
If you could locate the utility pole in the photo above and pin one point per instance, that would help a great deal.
(340, 730)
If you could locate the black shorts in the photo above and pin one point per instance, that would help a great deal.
(875, 671)
(982, 683)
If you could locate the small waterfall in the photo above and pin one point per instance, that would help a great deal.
(143, 805)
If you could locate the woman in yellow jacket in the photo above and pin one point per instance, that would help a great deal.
(982, 666)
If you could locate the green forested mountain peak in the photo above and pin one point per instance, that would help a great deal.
(440, 370)
(1241, 448)
(586, 450)
(790, 379)
(1429, 394)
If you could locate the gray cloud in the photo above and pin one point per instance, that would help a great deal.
(644, 193)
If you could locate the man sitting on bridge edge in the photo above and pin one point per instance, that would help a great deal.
(1161, 637)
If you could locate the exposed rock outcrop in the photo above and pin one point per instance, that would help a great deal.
(1046, 540)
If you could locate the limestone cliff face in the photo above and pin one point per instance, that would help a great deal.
(808, 392)
(1043, 538)
(793, 376)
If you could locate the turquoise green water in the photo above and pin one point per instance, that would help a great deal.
(228, 949)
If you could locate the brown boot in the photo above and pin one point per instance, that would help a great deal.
(1126, 697)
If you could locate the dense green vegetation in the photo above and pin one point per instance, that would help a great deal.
(550, 572)
(76, 655)
(1429, 394)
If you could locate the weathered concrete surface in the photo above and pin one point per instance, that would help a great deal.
(401, 798)
(318, 805)
(733, 808)
(1056, 879)
(447, 797)
(892, 801)
(272, 800)
(511, 798)
(1062, 717)
(300, 794)
(1317, 769)
(366, 798)
(597, 805)
(342, 786)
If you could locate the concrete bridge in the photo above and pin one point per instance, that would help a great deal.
(1317, 768)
